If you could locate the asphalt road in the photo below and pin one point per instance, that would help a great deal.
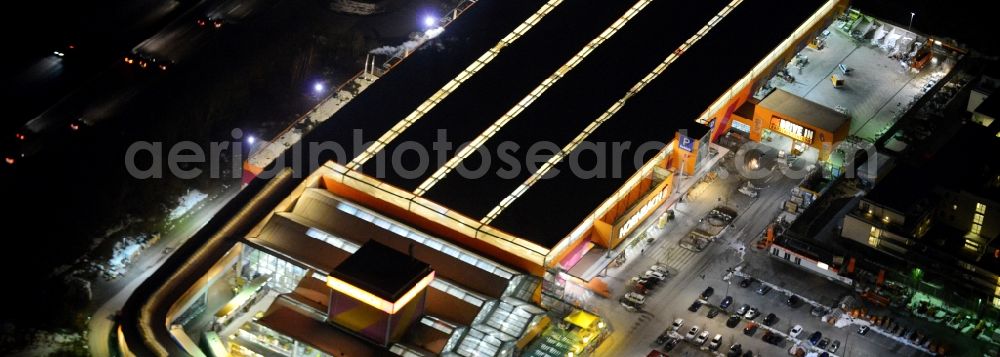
(103, 95)
(111, 295)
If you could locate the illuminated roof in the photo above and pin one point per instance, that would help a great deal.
(548, 102)
(381, 271)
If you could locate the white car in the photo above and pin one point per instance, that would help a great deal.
(660, 268)
(795, 331)
(700, 340)
(654, 273)
(638, 299)
(716, 342)
(692, 332)
(677, 324)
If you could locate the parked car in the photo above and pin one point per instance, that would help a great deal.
(695, 306)
(748, 354)
(662, 269)
(733, 320)
(671, 343)
(745, 283)
(818, 311)
(793, 301)
(752, 313)
(636, 298)
(795, 331)
(715, 343)
(770, 319)
(677, 324)
(700, 340)
(823, 343)
(763, 290)
(708, 292)
(771, 338)
(750, 329)
(834, 346)
(654, 274)
(815, 338)
(714, 312)
(735, 350)
(726, 302)
(692, 332)
(863, 330)
(662, 338)
(743, 309)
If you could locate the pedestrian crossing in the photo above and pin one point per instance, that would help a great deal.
(675, 257)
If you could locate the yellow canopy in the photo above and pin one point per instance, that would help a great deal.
(582, 319)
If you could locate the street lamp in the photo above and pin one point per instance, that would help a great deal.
(318, 87)
(912, 14)
(430, 21)
(251, 139)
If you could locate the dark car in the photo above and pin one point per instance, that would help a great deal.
(662, 338)
(743, 309)
(818, 311)
(834, 347)
(793, 301)
(713, 312)
(771, 338)
(750, 329)
(695, 306)
(745, 283)
(733, 320)
(708, 292)
(823, 343)
(671, 343)
(748, 354)
(763, 290)
(726, 302)
(770, 319)
(815, 337)
(208, 21)
(735, 350)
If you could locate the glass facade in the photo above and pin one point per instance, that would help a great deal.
(285, 276)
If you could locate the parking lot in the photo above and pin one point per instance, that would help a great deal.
(850, 343)
(637, 330)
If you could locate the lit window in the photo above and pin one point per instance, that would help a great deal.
(873, 236)
(978, 218)
(980, 208)
(971, 244)
(976, 228)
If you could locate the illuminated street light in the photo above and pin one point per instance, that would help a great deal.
(910, 27)
(318, 87)
(430, 21)
(251, 139)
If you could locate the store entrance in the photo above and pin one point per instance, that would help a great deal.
(790, 151)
